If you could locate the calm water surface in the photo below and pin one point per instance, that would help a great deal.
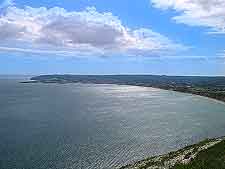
(74, 126)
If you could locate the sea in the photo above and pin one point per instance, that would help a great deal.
(98, 126)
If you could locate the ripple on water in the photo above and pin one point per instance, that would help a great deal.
(98, 126)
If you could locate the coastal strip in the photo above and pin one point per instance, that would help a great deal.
(211, 87)
(204, 155)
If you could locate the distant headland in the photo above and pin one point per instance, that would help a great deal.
(212, 87)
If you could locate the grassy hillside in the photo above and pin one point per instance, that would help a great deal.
(212, 158)
(208, 154)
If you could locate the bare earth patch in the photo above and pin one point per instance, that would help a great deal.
(183, 156)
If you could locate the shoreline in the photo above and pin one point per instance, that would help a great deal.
(161, 88)
(207, 97)
(211, 87)
(215, 93)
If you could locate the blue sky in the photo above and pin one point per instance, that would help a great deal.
(113, 37)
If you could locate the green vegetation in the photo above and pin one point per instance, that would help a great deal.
(212, 158)
(208, 154)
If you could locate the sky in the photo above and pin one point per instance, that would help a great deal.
(166, 37)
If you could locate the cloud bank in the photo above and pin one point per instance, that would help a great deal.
(88, 32)
(206, 13)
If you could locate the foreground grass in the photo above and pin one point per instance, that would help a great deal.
(212, 158)
(208, 154)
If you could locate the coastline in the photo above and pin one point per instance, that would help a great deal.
(211, 87)
(204, 96)
(161, 88)
(169, 160)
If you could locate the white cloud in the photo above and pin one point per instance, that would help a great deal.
(87, 32)
(207, 13)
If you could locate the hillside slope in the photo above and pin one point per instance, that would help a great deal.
(209, 154)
